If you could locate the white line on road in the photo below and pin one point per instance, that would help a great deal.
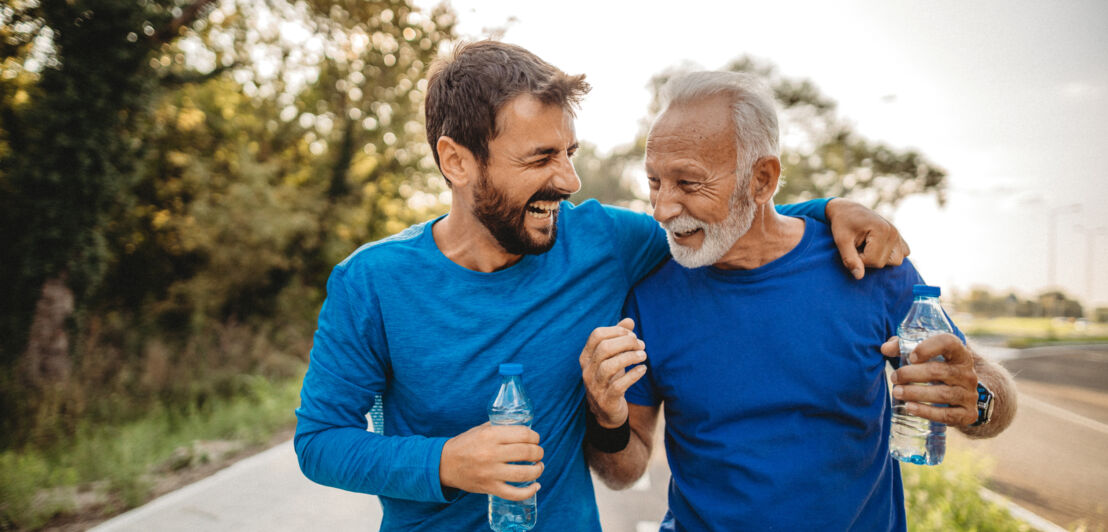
(1062, 413)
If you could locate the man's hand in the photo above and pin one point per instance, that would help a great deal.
(864, 239)
(604, 364)
(478, 461)
(954, 378)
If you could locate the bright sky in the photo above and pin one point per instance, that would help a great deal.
(1011, 97)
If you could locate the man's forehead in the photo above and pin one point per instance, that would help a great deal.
(527, 120)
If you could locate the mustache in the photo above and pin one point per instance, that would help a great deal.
(549, 194)
(682, 224)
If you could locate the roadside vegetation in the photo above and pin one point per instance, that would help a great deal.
(947, 497)
(105, 469)
(1022, 332)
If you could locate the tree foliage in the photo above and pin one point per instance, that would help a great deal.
(190, 170)
(821, 153)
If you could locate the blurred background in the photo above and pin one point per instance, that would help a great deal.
(178, 177)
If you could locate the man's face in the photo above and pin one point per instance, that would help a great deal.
(529, 172)
(698, 196)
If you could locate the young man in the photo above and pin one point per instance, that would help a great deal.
(762, 349)
(512, 274)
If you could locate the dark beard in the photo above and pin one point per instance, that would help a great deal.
(505, 221)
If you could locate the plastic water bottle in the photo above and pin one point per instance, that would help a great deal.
(511, 406)
(914, 439)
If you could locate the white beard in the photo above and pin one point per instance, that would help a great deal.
(718, 237)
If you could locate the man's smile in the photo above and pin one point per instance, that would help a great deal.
(542, 209)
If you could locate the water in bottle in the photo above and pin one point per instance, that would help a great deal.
(511, 406)
(914, 439)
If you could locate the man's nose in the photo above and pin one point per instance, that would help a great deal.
(565, 176)
(666, 207)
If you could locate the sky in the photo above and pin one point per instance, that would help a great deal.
(1010, 97)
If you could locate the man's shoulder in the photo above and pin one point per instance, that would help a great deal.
(665, 276)
(592, 211)
(387, 250)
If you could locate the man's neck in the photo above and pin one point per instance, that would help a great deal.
(469, 244)
(769, 238)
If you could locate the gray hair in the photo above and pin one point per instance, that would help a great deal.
(752, 110)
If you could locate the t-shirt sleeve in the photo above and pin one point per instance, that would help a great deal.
(643, 391)
(816, 209)
(640, 241)
(346, 372)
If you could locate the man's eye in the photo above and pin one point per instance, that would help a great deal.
(653, 182)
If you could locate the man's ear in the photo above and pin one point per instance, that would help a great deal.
(457, 163)
(763, 181)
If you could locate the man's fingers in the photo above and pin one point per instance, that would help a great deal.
(928, 372)
(891, 347)
(508, 434)
(899, 252)
(952, 415)
(513, 493)
(849, 252)
(614, 366)
(520, 472)
(520, 452)
(623, 382)
(627, 323)
(946, 345)
(953, 396)
(601, 334)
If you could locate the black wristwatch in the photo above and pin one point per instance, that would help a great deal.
(984, 405)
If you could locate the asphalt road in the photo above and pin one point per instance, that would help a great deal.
(1053, 460)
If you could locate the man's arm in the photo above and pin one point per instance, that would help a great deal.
(604, 362)
(348, 366)
(864, 238)
(621, 469)
(956, 377)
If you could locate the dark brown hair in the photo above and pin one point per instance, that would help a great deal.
(467, 90)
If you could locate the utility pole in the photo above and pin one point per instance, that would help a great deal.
(1090, 262)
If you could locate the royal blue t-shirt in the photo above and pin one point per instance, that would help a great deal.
(404, 322)
(773, 387)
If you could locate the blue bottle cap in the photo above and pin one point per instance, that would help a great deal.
(925, 290)
(511, 369)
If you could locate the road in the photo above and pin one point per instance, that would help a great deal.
(1053, 460)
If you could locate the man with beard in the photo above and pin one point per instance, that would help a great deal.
(512, 273)
(762, 349)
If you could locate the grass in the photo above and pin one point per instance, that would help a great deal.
(946, 497)
(1029, 332)
(114, 464)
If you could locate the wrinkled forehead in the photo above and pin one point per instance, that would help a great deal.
(703, 131)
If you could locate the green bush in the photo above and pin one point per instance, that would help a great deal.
(947, 497)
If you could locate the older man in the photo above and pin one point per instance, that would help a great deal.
(762, 350)
(422, 319)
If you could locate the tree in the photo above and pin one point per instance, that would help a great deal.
(170, 168)
(821, 153)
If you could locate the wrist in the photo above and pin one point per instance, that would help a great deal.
(606, 440)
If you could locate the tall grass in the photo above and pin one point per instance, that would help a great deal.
(115, 464)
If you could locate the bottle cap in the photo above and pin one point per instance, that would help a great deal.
(511, 369)
(925, 290)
